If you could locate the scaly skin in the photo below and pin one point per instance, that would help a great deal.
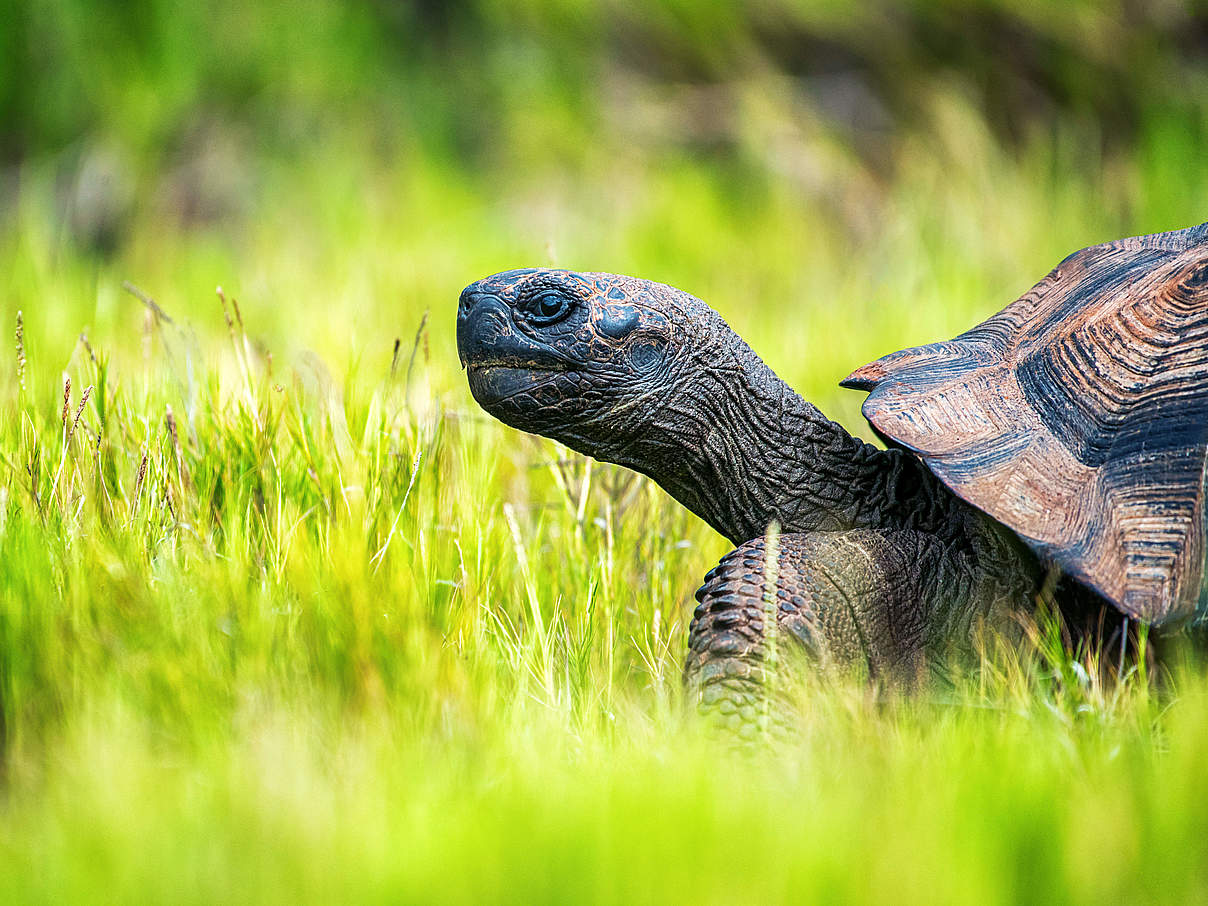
(892, 605)
(879, 564)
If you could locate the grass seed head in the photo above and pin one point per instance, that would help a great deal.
(20, 350)
(79, 411)
(138, 482)
(170, 422)
(88, 347)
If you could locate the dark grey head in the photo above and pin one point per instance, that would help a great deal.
(644, 375)
(585, 358)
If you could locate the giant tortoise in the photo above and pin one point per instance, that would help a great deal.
(1067, 434)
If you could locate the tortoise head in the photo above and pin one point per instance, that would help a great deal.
(583, 358)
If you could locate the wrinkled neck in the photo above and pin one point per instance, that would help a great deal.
(741, 449)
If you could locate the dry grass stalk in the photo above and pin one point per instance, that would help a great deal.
(138, 481)
(170, 422)
(420, 336)
(242, 354)
(88, 347)
(66, 400)
(152, 305)
(181, 469)
(226, 313)
(238, 314)
(21, 350)
(79, 411)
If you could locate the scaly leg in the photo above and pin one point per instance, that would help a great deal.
(885, 603)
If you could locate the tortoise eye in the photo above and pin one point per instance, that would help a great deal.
(549, 307)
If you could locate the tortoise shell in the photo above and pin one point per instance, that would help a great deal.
(1078, 417)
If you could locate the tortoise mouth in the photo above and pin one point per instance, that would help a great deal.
(509, 381)
(512, 363)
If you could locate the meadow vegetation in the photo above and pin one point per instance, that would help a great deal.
(285, 617)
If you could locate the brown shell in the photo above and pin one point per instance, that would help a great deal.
(1078, 416)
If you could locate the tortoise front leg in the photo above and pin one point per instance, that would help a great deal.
(881, 603)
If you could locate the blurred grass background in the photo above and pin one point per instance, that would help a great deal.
(283, 617)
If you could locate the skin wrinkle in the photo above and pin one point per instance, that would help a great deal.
(849, 605)
(748, 403)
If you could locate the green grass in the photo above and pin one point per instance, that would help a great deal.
(342, 637)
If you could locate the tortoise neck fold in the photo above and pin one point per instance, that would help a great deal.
(742, 449)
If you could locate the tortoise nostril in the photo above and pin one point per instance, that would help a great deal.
(467, 299)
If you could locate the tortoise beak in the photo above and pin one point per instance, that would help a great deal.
(484, 329)
(487, 336)
(466, 303)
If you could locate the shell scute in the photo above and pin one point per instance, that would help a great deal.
(1078, 416)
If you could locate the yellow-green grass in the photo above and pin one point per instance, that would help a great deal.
(284, 617)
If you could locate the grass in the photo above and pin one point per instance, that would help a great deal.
(285, 618)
